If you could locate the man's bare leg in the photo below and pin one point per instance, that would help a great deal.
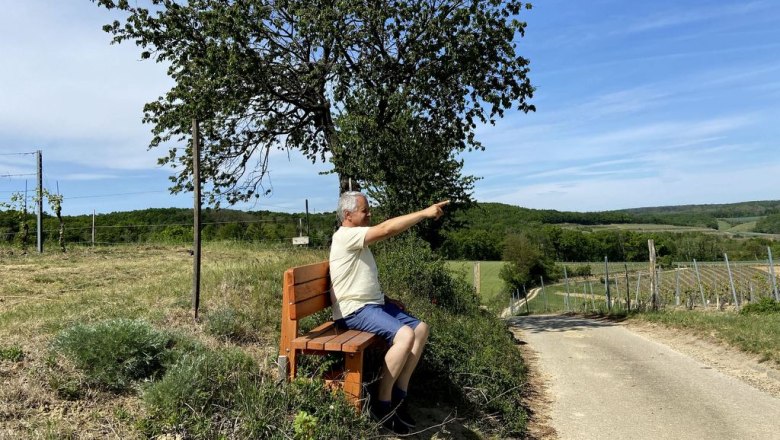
(421, 333)
(395, 361)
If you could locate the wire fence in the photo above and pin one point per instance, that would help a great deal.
(255, 231)
(711, 285)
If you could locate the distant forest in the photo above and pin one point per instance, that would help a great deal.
(478, 233)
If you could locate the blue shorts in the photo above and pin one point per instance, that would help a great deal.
(383, 320)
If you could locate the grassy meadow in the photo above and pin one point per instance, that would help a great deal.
(490, 282)
(102, 343)
(45, 294)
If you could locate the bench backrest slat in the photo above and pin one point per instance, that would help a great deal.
(308, 307)
(301, 274)
(307, 290)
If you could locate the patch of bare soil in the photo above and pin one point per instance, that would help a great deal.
(728, 360)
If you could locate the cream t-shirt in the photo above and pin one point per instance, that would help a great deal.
(353, 272)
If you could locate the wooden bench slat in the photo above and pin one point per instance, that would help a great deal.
(318, 342)
(359, 342)
(336, 344)
(301, 341)
(310, 306)
(302, 274)
(312, 288)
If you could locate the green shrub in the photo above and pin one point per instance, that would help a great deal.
(305, 426)
(230, 324)
(223, 394)
(763, 306)
(470, 358)
(409, 269)
(473, 359)
(13, 354)
(583, 270)
(113, 354)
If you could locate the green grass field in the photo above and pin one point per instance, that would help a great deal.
(639, 227)
(491, 284)
(743, 227)
(225, 360)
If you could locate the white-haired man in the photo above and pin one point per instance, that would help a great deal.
(359, 303)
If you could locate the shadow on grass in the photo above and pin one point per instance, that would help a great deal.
(430, 402)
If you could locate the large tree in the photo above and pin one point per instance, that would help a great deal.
(389, 91)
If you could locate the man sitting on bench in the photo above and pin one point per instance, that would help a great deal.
(358, 301)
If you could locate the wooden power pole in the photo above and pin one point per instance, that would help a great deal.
(196, 212)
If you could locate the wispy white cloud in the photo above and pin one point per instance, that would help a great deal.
(699, 185)
(686, 15)
(88, 176)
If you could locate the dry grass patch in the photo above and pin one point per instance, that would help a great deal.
(40, 295)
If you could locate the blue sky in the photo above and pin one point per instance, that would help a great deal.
(638, 104)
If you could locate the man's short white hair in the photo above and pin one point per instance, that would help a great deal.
(348, 202)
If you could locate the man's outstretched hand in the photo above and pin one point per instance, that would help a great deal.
(436, 210)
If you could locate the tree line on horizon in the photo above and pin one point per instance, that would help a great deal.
(478, 233)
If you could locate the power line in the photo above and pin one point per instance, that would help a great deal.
(16, 154)
(112, 195)
(17, 175)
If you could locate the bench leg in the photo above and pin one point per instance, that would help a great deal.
(281, 361)
(292, 366)
(353, 376)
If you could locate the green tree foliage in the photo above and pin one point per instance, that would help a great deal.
(174, 225)
(743, 209)
(389, 92)
(526, 261)
(566, 236)
(769, 224)
(14, 221)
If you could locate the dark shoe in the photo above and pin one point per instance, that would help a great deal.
(402, 413)
(389, 420)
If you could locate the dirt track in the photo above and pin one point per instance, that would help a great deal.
(604, 381)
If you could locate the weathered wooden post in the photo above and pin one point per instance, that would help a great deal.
(628, 288)
(566, 278)
(39, 226)
(698, 280)
(477, 278)
(196, 213)
(606, 281)
(677, 285)
(653, 279)
(525, 295)
(772, 273)
(731, 281)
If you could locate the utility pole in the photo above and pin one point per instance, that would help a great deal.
(307, 219)
(196, 212)
(40, 201)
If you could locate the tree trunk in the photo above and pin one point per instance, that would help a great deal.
(347, 183)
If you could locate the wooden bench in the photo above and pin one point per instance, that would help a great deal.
(307, 291)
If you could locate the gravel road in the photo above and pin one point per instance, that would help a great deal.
(606, 382)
